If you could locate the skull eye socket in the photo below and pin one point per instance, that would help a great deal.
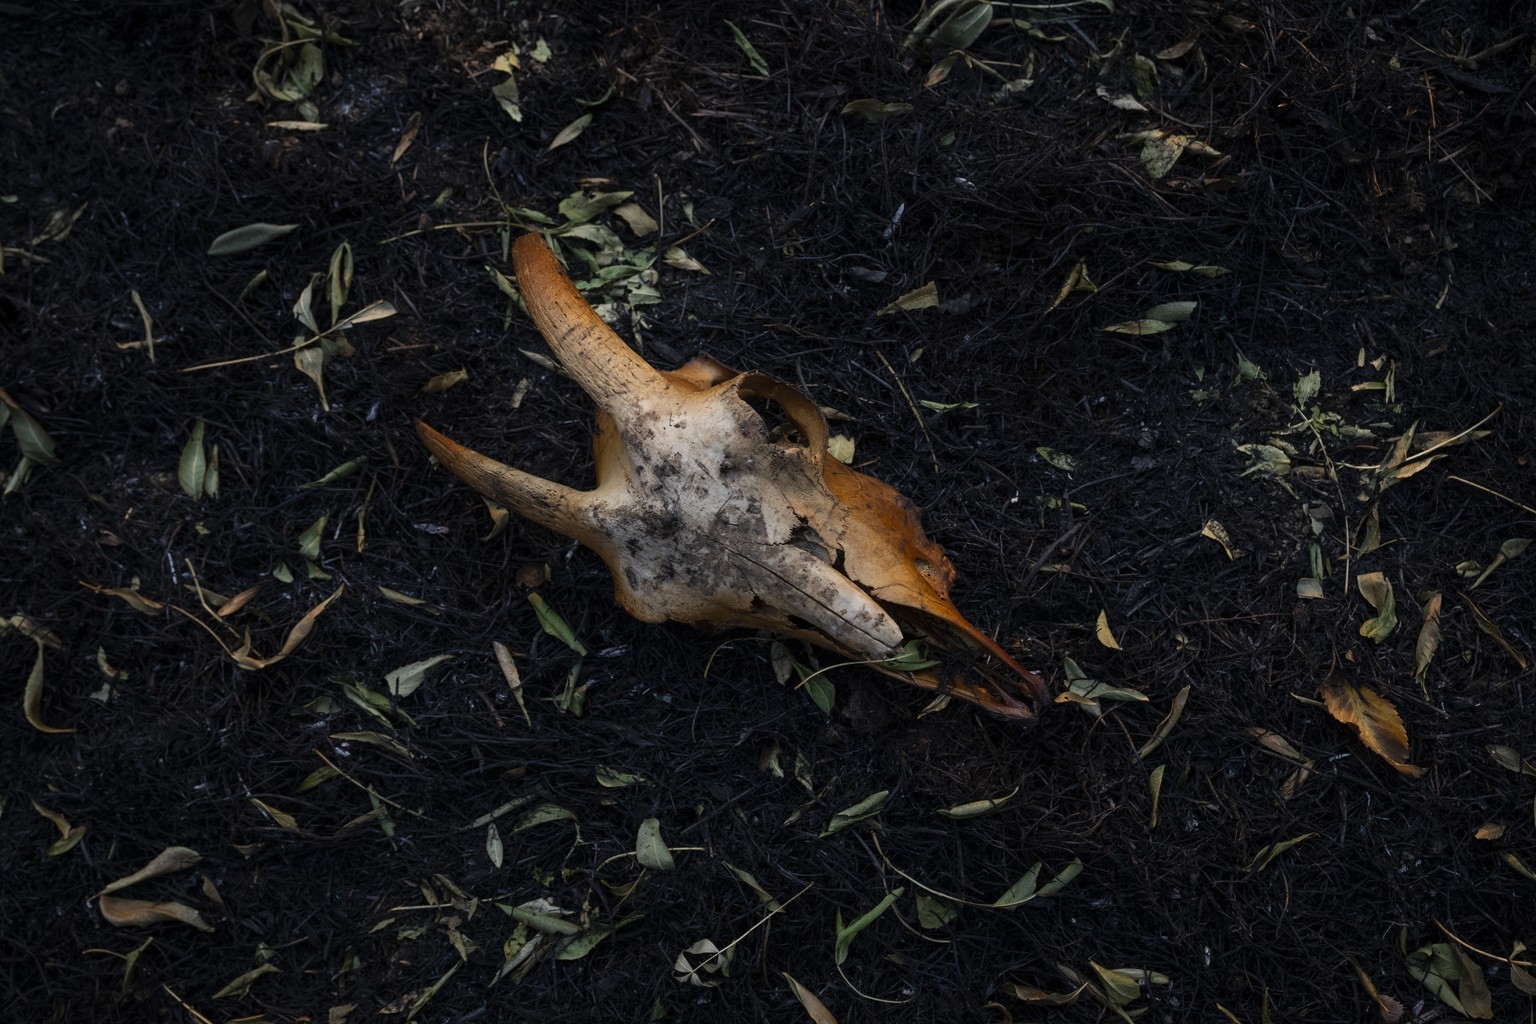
(789, 416)
(777, 421)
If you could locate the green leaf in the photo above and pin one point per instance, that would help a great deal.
(935, 911)
(244, 239)
(866, 808)
(976, 808)
(1026, 888)
(753, 57)
(555, 625)
(1061, 460)
(962, 28)
(341, 472)
(650, 849)
(1172, 312)
(192, 471)
(581, 207)
(309, 540)
(847, 933)
(1377, 589)
(1307, 387)
(822, 692)
(569, 132)
(404, 681)
(610, 778)
(1140, 327)
(913, 658)
(33, 440)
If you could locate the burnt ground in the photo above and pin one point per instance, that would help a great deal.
(1367, 188)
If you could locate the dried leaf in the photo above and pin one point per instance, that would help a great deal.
(650, 849)
(135, 600)
(1377, 590)
(696, 964)
(1077, 281)
(1429, 637)
(1101, 630)
(1218, 533)
(69, 835)
(926, 297)
(635, 217)
(296, 636)
(32, 693)
(282, 819)
(1040, 997)
(1488, 626)
(443, 381)
(1141, 327)
(1155, 787)
(1373, 717)
(873, 110)
(1263, 857)
(1165, 727)
(514, 678)
(493, 847)
(864, 809)
(817, 1010)
(126, 913)
(977, 808)
(569, 133)
(1510, 549)
(244, 239)
(168, 861)
(1391, 1009)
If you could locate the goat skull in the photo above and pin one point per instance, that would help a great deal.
(704, 518)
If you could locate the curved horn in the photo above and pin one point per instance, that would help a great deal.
(549, 504)
(600, 361)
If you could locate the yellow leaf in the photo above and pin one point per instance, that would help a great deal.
(926, 297)
(1218, 533)
(1374, 718)
(1101, 630)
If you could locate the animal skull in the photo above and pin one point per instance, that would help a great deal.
(705, 518)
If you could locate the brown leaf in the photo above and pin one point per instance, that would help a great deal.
(1429, 636)
(167, 861)
(1375, 720)
(126, 913)
(296, 636)
(137, 601)
(1490, 627)
(814, 1007)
